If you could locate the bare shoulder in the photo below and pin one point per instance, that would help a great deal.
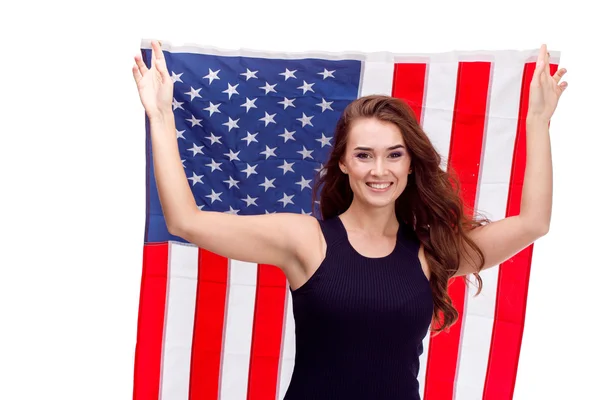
(305, 232)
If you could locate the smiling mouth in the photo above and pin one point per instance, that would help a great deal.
(379, 186)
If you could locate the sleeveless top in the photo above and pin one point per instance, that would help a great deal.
(360, 322)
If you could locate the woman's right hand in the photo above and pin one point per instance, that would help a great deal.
(155, 86)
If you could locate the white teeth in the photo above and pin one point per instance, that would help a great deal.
(379, 185)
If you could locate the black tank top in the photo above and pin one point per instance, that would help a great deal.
(360, 322)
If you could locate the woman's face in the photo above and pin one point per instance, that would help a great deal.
(376, 161)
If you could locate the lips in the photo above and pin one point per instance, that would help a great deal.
(379, 185)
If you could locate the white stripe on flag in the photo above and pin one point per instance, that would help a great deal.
(179, 321)
(377, 78)
(239, 322)
(288, 351)
(492, 196)
(440, 91)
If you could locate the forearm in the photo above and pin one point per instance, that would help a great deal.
(176, 198)
(536, 200)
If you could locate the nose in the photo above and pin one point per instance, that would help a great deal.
(380, 168)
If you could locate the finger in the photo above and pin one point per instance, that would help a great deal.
(141, 65)
(563, 86)
(156, 46)
(559, 74)
(152, 65)
(540, 64)
(542, 55)
(161, 64)
(137, 75)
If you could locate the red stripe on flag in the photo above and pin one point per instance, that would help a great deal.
(409, 85)
(464, 157)
(207, 342)
(267, 333)
(513, 276)
(151, 321)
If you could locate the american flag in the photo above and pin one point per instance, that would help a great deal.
(254, 128)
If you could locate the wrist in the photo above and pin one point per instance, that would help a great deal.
(535, 119)
(161, 117)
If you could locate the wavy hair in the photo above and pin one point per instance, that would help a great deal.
(431, 203)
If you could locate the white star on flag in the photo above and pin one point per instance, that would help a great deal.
(212, 75)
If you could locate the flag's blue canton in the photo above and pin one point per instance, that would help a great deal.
(252, 132)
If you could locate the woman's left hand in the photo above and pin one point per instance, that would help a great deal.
(545, 89)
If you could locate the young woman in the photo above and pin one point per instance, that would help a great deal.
(368, 277)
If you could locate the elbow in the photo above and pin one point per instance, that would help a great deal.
(540, 229)
(182, 226)
(544, 229)
(176, 229)
(534, 228)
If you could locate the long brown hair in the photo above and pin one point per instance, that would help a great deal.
(431, 203)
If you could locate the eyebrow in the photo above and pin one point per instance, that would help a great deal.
(398, 146)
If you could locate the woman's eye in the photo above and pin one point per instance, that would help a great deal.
(362, 155)
(396, 155)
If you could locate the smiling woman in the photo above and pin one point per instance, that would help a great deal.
(368, 277)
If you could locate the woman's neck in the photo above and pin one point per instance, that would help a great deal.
(380, 221)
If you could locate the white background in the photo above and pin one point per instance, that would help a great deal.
(72, 157)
